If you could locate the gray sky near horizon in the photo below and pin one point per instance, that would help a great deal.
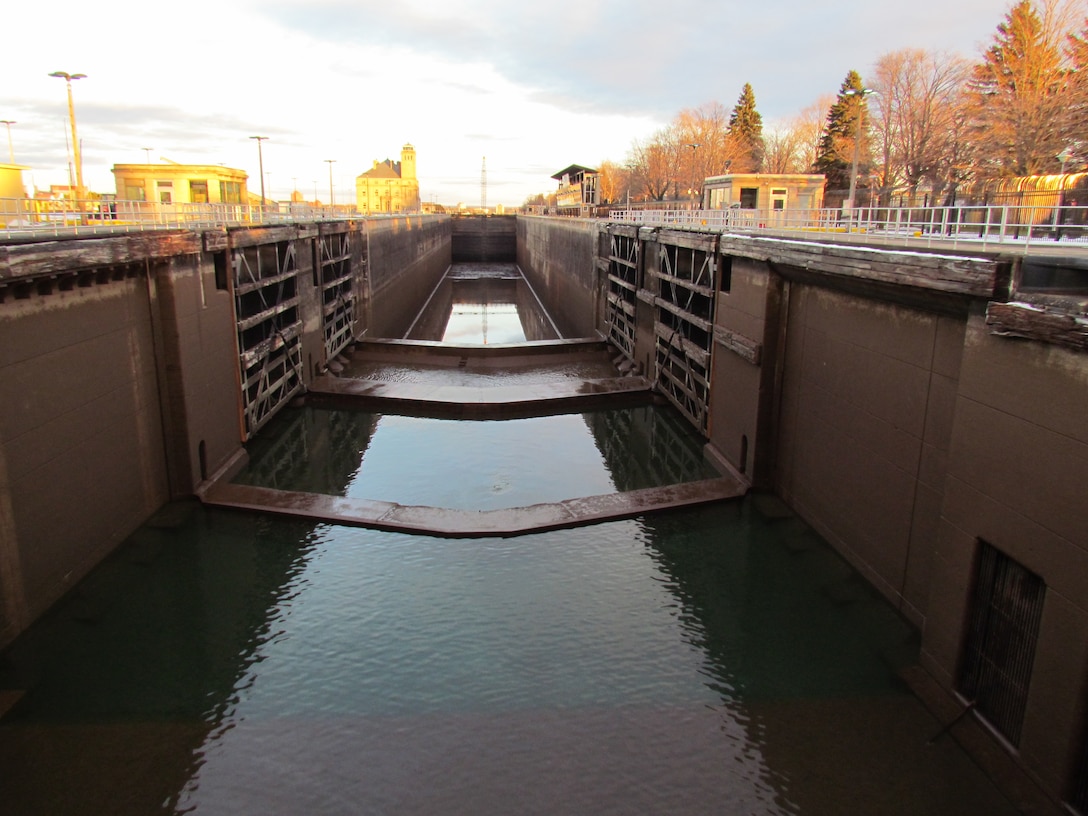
(533, 87)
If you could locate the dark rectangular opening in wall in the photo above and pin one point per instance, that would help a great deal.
(725, 276)
(221, 269)
(999, 651)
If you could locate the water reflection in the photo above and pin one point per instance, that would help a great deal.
(694, 662)
(475, 465)
(477, 306)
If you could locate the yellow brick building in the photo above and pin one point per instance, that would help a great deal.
(388, 186)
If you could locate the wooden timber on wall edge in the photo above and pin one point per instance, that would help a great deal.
(1031, 322)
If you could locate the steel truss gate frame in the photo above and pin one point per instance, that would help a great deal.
(269, 329)
(333, 275)
(624, 281)
(684, 324)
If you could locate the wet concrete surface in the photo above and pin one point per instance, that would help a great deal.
(449, 523)
(473, 381)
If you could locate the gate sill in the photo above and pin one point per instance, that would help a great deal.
(450, 523)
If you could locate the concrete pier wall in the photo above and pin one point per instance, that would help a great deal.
(558, 257)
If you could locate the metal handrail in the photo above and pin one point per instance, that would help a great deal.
(29, 218)
(964, 227)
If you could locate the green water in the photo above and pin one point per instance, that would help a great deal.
(704, 661)
(475, 465)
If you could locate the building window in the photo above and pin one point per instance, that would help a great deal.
(198, 192)
(134, 191)
(1006, 608)
(230, 192)
(749, 198)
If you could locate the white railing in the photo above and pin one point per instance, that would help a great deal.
(966, 227)
(23, 217)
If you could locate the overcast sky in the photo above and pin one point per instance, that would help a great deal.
(531, 86)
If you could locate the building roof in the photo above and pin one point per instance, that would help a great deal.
(574, 169)
(387, 169)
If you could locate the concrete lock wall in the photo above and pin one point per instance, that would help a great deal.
(408, 257)
(112, 379)
(119, 377)
(558, 257)
(1017, 470)
(484, 238)
(911, 414)
(867, 399)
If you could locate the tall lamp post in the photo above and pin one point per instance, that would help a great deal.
(861, 93)
(332, 202)
(11, 149)
(260, 163)
(72, 119)
(694, 147)
(147, 154)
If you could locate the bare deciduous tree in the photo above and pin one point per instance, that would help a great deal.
(915, 105)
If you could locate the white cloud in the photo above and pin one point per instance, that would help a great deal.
(530, 86)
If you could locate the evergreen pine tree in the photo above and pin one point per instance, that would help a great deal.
(1022, 109)
(745, 132)
(835, 158)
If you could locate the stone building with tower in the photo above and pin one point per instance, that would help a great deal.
(389, 186)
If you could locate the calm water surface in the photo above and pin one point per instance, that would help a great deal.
(475, 465)
(709, 661)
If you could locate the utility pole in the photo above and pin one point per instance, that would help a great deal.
(72, 120)
(260, 163)
(483, 185)
(332, 201)
(11, 149)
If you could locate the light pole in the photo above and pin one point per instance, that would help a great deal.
(72, 119)
(260, 163)
(861, 93)
(332, 202)
(694, 146)
(147, 154)
(11, 149)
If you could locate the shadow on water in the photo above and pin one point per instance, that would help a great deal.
(698, 661)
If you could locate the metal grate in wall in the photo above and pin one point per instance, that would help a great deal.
(623, 286)
(684, 325)
(269, 327)
(1000, 648)
(337, 296)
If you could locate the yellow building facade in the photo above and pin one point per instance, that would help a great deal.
(180, 183)
(764, 191)
(388, 186)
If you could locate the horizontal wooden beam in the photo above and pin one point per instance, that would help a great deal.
(1038, 323)
(744, 347)
(955, 274)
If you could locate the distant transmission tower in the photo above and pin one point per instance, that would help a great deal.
(483, 184)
